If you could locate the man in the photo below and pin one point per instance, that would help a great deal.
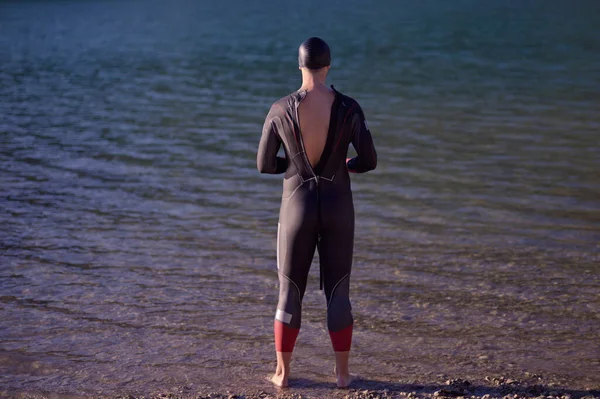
(315, 124)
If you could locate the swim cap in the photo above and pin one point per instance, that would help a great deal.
(314, 54)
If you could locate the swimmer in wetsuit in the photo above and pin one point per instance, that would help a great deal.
(316, 125)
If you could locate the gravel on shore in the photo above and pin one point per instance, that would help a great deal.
(490, 388)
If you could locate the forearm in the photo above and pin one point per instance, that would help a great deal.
(273, 166)
(362, 163)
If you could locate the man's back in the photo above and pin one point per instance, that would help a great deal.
(314, 114)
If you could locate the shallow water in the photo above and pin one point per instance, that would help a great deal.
(137, 247)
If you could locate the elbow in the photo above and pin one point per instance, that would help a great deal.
(274, 167)
(368, 168)
(260, 165)
(265, 167)
(374, 160)
(267, 171)
(361, 165)
(371, 163)
(262, 168)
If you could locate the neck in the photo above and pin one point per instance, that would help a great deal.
(311, 81)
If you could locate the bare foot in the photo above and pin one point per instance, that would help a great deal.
(343, 381)
(280, 380)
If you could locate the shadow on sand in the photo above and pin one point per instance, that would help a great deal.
(374, 389)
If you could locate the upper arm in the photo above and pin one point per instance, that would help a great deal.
(270, 142)
(362, 141)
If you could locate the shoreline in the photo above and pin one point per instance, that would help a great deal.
(489, 388)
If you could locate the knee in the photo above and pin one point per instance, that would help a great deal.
(339, 310)
(289, 306)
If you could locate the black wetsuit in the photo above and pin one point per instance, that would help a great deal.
(317, 211)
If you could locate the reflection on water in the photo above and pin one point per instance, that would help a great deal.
(137, 246)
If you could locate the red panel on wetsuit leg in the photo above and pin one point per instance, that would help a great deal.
(285, 337)
(341, 340)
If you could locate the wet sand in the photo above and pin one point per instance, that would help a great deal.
(532, 386)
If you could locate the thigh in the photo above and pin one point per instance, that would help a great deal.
(336, 246)
(297, 240)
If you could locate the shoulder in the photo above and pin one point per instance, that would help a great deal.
(282, 106)
(348, 103)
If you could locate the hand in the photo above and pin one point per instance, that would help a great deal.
(349, 170)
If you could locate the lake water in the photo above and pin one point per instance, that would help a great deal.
(137, 239)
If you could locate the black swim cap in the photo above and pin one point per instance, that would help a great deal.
(314, 54)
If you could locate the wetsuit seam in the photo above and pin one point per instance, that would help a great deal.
(278, 240)
(296, 189)
(327, 150)
(295, 285)
(301, 140)
(310, 168)
(334, 288)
